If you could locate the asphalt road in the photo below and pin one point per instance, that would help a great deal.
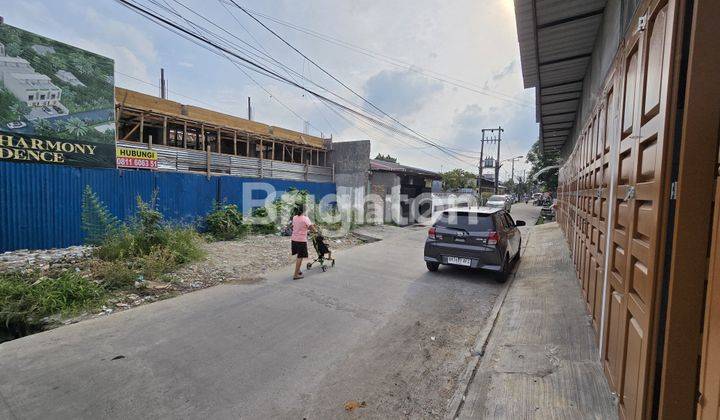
(378, 328)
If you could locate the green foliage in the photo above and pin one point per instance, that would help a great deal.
(159, 261)
(148, 246)
(10, 106)
(94, 71)
(96, 220)
(115, 275)
(76, 127)
(225, 222)
(27, 298)
(548, 181)
(459, 178)
(261, 223)
(386, 158)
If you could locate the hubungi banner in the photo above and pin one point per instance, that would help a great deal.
(57, 102)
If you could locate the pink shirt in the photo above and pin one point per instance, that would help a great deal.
(300, 225)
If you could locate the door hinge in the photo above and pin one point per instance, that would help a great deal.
(673, 190)
(642, 23)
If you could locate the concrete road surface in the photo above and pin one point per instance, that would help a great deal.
(378, 328)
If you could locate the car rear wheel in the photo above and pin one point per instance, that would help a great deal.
(504, 273)
(517, 256)
(432, 266)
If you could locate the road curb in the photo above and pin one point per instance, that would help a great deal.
(455, 404)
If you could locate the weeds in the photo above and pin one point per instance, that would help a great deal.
(261, 222)
(225, 222)
(146, 246)
(114, 275)
(27, 298)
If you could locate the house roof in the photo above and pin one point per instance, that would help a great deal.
(556, 42)
(384, 166)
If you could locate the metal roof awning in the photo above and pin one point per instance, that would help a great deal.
(556, 42)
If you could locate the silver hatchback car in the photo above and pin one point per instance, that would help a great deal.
(499, 201)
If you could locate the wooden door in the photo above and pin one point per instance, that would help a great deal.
(637, 232)
(709, 404)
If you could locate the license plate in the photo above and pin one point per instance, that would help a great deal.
(459, 261)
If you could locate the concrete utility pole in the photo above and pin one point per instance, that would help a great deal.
(497, 161)
(497, 139)
(163, 91)
(249, 109)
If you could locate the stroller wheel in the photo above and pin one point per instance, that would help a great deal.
(309, 265)
(324, 269)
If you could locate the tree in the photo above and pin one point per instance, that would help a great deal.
(76, 127)
(20, 109)
(458, 178)
(540, 159)
(44, 128)
(386, 158)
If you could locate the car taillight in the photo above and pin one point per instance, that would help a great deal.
(493, 238)
(431, 233)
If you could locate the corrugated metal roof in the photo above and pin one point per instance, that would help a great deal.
(556, 42)
(382, 165)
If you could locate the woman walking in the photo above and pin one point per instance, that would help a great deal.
(300, 226)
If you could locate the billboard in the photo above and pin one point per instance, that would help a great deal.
(57, 102)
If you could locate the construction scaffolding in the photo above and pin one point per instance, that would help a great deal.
(190, 138)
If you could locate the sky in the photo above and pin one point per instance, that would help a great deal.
(446, 69)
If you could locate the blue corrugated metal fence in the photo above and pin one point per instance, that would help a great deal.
(41, 205)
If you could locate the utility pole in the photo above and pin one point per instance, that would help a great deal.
(249, 109)
(480, 167)
(497, 161)
(491, 139)
(163, 91)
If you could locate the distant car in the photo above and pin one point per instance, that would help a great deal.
(15, 125)
(499, 201)
(475, 237)
(47, 109)
(58, 109)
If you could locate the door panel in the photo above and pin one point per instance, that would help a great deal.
(639, 193)
(709, 405)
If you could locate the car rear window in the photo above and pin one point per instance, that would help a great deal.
(470, 221)
(496, 198)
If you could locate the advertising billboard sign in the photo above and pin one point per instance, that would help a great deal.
(57, 102)
(136, 158)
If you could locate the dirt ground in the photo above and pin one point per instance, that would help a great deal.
(246, 260)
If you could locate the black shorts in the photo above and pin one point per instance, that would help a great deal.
(299, 249)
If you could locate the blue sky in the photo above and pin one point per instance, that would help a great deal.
(473, 41)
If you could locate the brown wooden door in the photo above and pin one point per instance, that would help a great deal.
(636, 230)
(709, 404)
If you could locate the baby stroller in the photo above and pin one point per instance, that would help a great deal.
(323, 252)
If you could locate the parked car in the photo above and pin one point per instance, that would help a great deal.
(58, 109)
(500, 201)
(47, 109)
(547, 213)
(476, 237)
(16, 124)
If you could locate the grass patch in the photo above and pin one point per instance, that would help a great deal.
(27, 298)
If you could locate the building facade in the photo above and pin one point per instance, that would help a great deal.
(25, 84)
(628, 94)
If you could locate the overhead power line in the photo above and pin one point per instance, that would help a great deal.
(198, 38)
(343, 84)
(441, 77)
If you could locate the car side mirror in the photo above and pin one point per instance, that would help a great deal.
(520, 223)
